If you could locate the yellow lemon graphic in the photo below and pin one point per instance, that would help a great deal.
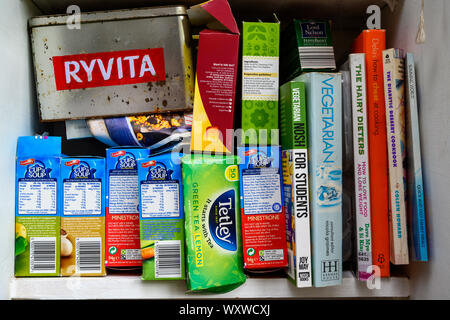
(21, 231)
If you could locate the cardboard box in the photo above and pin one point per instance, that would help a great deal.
(213, 224)
(260, 64)
(262, 210)
(122, 206)
(307, 46)
(38, 206)
(215, 83)
(83, 216)
(161, 218)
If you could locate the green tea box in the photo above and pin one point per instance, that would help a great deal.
(214, 257)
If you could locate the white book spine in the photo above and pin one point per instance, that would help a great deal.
(361, 164)
(394, 91)
(302, 217)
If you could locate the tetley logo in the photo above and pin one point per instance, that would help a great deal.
(127, 161)
(36, 170)
(80, 170)
(222, 221)
(158, 171)
(259, 160)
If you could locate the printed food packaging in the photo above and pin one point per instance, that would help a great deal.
(38, 206)
(215, 83)
(262, 211)
(119, 62)
(83, 216)
(213, 229)
(157, 131)
(260, 82)
(122, 206)
(307, 46)
(161, 217)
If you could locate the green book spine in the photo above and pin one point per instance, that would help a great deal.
(295, 182)
(293, 115)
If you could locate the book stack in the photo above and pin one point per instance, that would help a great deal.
(373, 99)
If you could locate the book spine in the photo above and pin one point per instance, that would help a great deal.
(416, 202)
(361, 164)
(393, 67)
(300, 186)
(324, 112)
(372, 42)
(295, 179)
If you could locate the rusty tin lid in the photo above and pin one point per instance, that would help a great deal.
(109, 15)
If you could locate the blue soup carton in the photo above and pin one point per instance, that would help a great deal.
(83, 216)
(37, 241)
(161, 217)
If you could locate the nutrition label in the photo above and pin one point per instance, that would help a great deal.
(260, 78)
(262, 191)
(123, 192)
(160, 199)
(82, 197)
(37, 196)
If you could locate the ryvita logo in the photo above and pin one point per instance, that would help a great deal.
(126, 162)
(222, 221)
(159, 172)
(37, 171)
(259, 160)
(82, 170)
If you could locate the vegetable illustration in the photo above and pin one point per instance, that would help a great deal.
(66, 244)
(148, 253)
(21, 239)
(21, 231)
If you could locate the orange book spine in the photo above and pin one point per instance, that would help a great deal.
(372, 43)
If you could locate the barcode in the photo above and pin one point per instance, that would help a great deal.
(168, 259)
(43, 255)
(317, 57)
(88, 255)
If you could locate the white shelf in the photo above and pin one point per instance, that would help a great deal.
(132, 287)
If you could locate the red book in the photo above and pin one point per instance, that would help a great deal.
(372, 43)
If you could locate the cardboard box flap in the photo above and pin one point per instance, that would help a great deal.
(215, 14)
(38, 146)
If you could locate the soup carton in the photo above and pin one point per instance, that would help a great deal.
(262, 209)
(122, 206)
(83, 216)
(37, 242)
(161, 218)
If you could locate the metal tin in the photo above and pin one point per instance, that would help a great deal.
(111, 81)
